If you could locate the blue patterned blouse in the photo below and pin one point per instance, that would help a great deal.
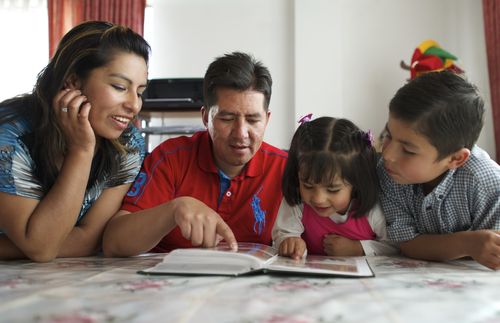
(17, 166)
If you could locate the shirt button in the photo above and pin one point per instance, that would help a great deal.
(228, 193)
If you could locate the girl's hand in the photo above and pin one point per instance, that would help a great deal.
(339, 246)
(293, 247)
(72, 112)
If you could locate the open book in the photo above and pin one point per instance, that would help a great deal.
(255, 258)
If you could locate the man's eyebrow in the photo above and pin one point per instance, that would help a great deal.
(228, 113)
(253, 115)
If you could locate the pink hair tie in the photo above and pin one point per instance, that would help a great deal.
(306, 118)
(368, 137)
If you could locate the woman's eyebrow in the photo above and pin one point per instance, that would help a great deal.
(126, 79)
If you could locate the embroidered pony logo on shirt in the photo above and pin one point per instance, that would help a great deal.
(259, 215)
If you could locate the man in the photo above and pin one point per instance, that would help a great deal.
(223, 183)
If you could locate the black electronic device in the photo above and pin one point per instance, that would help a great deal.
(173, 94)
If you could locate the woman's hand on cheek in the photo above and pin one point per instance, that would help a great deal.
(72, 112)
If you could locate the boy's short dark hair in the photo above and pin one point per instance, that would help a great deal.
(237, 71)
(442, 106)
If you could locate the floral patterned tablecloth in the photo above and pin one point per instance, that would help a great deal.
(96, 289)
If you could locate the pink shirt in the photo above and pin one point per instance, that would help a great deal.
(317, 227)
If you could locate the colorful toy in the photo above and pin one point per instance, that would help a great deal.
(430, 57)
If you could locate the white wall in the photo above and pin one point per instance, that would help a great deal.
(25, 45)
(351, 67)
(328, 57)
(189, 34)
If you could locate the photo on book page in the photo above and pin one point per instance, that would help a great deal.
(319, 263)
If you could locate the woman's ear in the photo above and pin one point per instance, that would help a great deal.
(72, 83)
(458, 158)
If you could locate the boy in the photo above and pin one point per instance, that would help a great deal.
(440, 192)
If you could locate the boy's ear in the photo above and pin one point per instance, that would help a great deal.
(458, 158)
(72, 83)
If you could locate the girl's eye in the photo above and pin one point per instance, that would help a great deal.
(333, 190)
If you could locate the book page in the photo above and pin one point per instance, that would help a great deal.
(220, 260)
(263, 252)
(323, 265)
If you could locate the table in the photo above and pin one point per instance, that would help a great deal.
(97, 289)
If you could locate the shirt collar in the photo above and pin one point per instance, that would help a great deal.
(445, 185)
(205, 156)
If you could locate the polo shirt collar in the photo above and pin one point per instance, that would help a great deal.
(254, 168)
(205, 155)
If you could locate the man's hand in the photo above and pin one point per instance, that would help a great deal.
(293, 247)
(200, 224)
(335, 245)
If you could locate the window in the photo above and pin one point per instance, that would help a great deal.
(25, 49)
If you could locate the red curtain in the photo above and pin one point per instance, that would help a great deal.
(65, 14)
(491, 13)
(129, 13)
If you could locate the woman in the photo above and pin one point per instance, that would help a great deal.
(68, 151)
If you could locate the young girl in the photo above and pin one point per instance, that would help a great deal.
(68, 150)
(330, 191)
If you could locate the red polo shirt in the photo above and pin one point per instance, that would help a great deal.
(184, 166)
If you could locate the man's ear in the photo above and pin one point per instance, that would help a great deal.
(458, 158)
(73, 83)
(204, 116)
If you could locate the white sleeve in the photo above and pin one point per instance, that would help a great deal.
(288, 223)
(381, 246)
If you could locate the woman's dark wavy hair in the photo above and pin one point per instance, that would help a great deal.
(87, 46)
(325, 148)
